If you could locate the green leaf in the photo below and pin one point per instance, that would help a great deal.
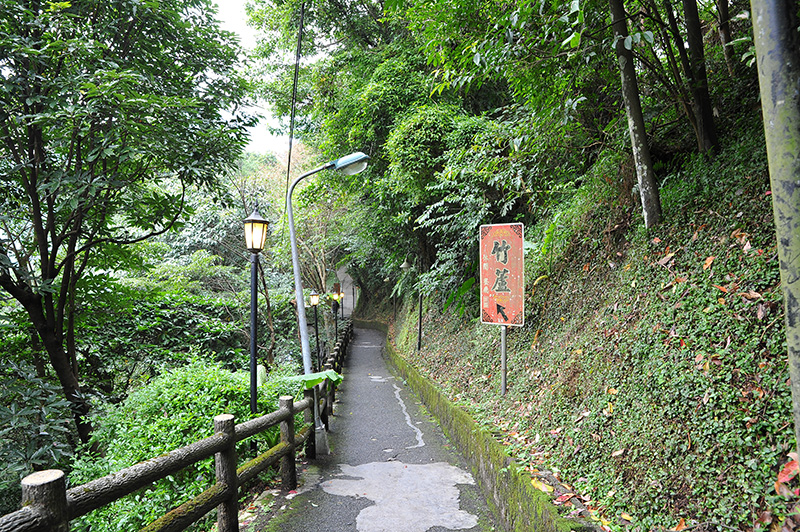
(312, 379)
(628, 43)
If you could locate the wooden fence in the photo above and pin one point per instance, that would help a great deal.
(47, 506)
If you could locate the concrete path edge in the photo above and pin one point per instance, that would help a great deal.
(507, 487)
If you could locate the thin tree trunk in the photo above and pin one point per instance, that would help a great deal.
(51, 337)
(724, 30)
(270, 323)
(648, 190)
(778, 55)
(60, 361)
(707, 140)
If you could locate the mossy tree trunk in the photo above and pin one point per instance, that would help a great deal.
(778, 53)
(648, 190)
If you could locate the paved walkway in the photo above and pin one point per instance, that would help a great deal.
(390, 468)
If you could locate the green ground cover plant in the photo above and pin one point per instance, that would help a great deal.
(651, 376)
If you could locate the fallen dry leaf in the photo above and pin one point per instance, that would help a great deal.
(788, 472)
(707, 263)
(539, 485)
(750, 294)
(564, 498)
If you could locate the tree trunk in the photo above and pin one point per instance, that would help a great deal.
(778, 55)
(724, 30)
(271, 324)
(54, 346)
(707, 139)
(648, 190)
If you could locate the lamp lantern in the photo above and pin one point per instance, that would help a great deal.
(255, 231)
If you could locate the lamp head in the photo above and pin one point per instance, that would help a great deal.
(406, 265)
(255, 231)
(314, 298)
(351, 164)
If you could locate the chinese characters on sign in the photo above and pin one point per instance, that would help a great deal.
(502, 274)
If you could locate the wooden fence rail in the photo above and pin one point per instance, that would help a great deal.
(47, 506)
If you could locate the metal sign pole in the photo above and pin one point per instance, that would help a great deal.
(503, 367)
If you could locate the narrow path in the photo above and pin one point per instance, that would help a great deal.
(390, 468)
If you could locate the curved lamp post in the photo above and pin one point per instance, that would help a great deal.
(349, 165)
(255, 234)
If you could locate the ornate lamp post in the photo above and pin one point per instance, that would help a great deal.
(314, 300)
(255, 234)
(341, 302)
(335, 306)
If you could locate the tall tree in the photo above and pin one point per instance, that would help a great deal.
(108, 111)
(778, 53)
(698, 80)
(648, 189)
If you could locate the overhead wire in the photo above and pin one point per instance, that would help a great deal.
(294, 102)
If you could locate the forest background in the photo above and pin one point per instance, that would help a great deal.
(651, 375)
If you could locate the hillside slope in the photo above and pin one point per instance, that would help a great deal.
(651, 374)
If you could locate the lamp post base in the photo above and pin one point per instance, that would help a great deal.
(321, 442)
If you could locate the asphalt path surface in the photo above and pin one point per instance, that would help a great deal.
(390, 468)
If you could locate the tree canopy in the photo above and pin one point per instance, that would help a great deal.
(108, 112)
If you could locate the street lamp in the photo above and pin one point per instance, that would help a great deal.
(255, 233)
(341, 302)
(348, 165)
(314, 299)
(335, 306)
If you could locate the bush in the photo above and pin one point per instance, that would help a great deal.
(35, 421)
(172, 411)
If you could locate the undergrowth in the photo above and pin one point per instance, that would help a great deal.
(651, 375)
(172, 411)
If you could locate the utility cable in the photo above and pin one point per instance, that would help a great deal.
(294, 98)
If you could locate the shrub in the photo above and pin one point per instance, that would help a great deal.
(172, 411)
(35, 421)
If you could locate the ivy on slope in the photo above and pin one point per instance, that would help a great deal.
(651, 377)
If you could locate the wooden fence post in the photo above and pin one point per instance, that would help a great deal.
(47, 491)
(225, 463)
(288, 471)
(308, 417)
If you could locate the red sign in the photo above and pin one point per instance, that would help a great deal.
(502, 274)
